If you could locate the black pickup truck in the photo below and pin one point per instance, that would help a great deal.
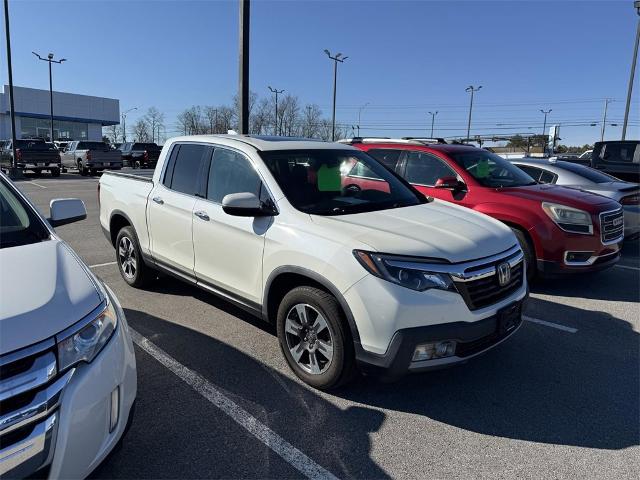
(620, 158)
(32, 154)
(140, 155)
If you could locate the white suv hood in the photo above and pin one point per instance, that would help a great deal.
(43, 290)
(436, 229)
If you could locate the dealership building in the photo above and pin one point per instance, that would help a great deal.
(76, 117)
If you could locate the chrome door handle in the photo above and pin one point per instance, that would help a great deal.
(158, 200)
(202, 215)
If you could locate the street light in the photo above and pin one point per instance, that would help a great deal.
(433, 119)
(50, 60)
(636, 4)
(544, 128)
(359, 113)
(276, 91)
(607, 101)
(337, 58)
(471, 89)
(124, 123)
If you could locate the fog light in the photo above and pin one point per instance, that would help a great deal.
(429, 351)
(115, 409)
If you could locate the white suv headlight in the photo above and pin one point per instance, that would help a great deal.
(403, 272)
(569, 219)
(86, 342)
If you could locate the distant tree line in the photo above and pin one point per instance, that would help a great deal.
(149, 128)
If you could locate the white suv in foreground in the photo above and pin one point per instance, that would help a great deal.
(355, 267)
(67, 366)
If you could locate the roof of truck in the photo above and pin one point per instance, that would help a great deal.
(266, 142)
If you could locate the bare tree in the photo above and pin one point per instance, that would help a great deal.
(155, 121)
(191, 121)
(113, 133)
(311, 121)
(141, 131)
(211, 115)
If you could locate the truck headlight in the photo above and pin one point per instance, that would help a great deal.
(86, 342)
(403, 272)
(569, 219)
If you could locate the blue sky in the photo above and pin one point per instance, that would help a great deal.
(405, 58)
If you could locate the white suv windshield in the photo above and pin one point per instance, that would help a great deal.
(322, 182)
(19, 225)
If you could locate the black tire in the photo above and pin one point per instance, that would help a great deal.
(341, 367)
(140, 275)
(82, 170)
(55, 172)
(529, 253)
(137, 165)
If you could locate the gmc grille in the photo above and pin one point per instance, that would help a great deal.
(612, 226)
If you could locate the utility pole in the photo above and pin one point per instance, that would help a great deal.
(50, 60)
(338, 58)
(243, 84)
(13, 172)
(124, 123)
(544, 129)
(360, 113)
(607, 101)
(277, 92)
(433, 119)
(636, 4)
(471, 89)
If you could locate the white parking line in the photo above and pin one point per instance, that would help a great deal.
(37, 185)
(210, 392)
(102, 264)
(627, 267)
(549, 324)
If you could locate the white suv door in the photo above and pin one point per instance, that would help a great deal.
(170, 206)
(228, 249)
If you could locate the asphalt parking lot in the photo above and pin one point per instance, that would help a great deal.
(217, 400)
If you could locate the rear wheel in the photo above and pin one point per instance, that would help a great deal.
(529, 253)
(130, 262)
(55, 172)
(137, 164)
(314, 339)
(82, 170)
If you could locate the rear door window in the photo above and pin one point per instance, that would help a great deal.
(388, 157)
(623, 152)
(425, 169)
(185, 167)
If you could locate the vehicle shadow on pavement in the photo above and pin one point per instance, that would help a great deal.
(176, 433)
(543, 385)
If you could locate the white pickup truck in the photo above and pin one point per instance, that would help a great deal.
(371, 276)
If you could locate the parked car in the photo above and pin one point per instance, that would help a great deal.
(382, 278)
(68, 380)
(620, 158)
(61, 145)
(590, 180)
(91, 157)
(32, 154)
(560, 230)
(140, 155)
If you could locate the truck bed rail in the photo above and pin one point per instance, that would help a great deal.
(140, 175)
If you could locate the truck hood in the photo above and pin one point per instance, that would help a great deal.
(437, 229)
(557, 194)
(43, 290)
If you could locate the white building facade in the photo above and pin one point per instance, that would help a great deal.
(75, 117)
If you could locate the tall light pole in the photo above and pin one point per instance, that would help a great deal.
(471, 89)
(337, 58)
(636, 4)
(359, 114)
(14, 172)
(433, 120)
(243, 76)
(124, 123)
(277, 92)
(544, 129)
(607, 101)
(50, 60)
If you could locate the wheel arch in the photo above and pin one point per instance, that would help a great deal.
(117, 221)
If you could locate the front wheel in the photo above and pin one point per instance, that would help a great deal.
(129, 257)
(529, 253)
(314, 339)
(55, 172)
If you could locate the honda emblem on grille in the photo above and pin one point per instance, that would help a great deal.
(504, 274)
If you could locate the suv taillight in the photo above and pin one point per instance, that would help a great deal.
(18, 154)
(631, 200)
(88, 155)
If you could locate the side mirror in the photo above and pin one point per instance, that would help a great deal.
(449, 183)
(246, 204)
(66, 210)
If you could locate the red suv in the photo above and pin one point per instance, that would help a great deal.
(561, 230)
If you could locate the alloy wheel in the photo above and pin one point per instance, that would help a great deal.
(309, 339)
(127, 257)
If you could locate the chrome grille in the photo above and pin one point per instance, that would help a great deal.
(612, 226)
(30, 391)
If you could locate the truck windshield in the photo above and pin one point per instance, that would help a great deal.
(490, 170)
(19, 224)
(322, 182)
